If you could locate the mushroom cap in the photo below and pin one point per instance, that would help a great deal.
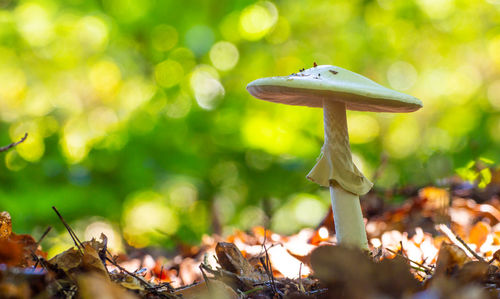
(327, 82)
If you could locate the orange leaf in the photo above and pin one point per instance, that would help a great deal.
(479, 233)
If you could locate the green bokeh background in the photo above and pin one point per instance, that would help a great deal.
(137, 111)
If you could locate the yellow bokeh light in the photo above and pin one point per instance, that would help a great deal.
(401, 75)
(308, 209)
(75, 140)
(179, 106)
(92, 33)
(33, 148)
(48, 126)
(147, 213)
(494, 94)
(13, 85)
(363, 128)
(260, 132)
(134, 92)
(224, 55)
(164, 37)
(463, 83)
(494, 49)
(206, 86)
(280, 32)
(101, 120)
(34, 24)
(185, 57)
(37, 101)
(257, 20)
(14, 162)
(168, 73)
(105, 77)
(96, 228)
(182, 194)
(437, 9)
(403, 137)
(68, 101)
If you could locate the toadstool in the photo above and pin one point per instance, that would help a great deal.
(335, 90)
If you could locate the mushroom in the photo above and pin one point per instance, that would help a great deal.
(336, 89)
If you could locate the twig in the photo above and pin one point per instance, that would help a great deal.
(5, 148)
(426, 269)
(44, 235)
(458, 241)
(301, 286)
(140, 279)
(205, 278)
(72, 234)
(35, 257)
(267, 265)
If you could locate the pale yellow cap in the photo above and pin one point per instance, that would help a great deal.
(327, 82)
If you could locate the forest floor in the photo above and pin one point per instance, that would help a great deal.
(441, 242)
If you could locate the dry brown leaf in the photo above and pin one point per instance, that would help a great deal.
(132, 283)
(93, 286)
(91, 260)
(450, 258)
(344, 270)
(215, 289)
(231, 259)
(474, 271)
(67, 260)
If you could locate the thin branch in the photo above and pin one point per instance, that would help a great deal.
(44, 235)
(267, 265)
(72, 234)
(458, 241)
(422, 268)
(6, 148)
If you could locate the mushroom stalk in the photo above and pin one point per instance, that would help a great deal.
(349, 224)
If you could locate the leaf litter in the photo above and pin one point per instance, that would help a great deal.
(438, 243)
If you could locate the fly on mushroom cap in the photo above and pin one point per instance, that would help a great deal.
(326, 82)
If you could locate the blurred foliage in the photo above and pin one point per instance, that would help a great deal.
(137, 110)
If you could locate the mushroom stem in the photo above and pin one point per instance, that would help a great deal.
(349, 224)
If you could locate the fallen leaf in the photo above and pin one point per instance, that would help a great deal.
(94, 285)
(11, 253)
(91, 260)
(202, 290)
(479, 233)
(231, 259)
(450, 258)
(67, 260)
